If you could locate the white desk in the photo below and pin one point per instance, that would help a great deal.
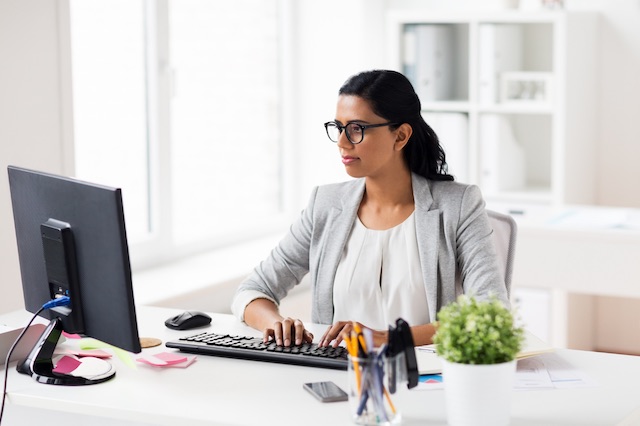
(219, 391)
(581, 249)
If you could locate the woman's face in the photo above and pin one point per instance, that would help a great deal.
(378, 153)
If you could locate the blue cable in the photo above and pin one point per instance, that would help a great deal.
(60, 301)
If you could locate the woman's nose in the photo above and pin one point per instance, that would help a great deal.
(343, 141)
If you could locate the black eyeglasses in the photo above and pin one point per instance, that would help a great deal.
(355, 131)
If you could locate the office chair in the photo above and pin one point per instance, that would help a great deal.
(504, 237)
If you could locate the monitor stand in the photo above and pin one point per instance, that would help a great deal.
(39, 362)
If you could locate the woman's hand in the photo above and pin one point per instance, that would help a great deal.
(336, 333)
(286, 332)
(263, 314)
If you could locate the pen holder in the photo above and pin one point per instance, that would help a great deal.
(371, 393)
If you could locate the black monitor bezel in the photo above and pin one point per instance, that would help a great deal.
(96, 216)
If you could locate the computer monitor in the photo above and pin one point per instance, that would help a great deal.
(72, 241)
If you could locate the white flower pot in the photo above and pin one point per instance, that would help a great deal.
(478, 395)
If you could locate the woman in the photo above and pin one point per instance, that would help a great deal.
(400, 240)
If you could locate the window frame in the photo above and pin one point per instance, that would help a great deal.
(159, 248)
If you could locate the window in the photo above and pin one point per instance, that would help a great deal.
(179, 103)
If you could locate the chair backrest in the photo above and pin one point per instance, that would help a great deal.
(504, 236)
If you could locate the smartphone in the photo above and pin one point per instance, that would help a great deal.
(326, 391)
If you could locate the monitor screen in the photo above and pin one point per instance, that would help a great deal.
(72, 241)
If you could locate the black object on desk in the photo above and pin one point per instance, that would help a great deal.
(401, 350)
(253, 348)
(188, 320)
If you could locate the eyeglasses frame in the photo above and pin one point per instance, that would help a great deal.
(363, 127)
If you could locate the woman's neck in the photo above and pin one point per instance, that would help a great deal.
(386, 202)
(389, 192)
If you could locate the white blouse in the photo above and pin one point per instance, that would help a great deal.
(379, 278)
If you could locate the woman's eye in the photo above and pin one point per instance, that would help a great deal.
(354, 129)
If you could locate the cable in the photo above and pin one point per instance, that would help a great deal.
(60, 301)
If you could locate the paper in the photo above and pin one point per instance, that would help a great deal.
(532, 374)
(429, 362)
(597, 218)
(563, 375)
(87, 367)
(543, 371)
(92, 344)
(167, 359)
(430, 382)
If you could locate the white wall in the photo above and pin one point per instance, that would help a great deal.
(337, 39)
(30, 118)
(619, 91)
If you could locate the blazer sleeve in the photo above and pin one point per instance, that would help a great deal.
(285, 267)
(477, 258)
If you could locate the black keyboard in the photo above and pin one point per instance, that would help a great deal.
(253, 348)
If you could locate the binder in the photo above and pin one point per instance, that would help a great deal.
(410, 51)
(502, 157)
(452, 130)
(500, 50)
(434, 61)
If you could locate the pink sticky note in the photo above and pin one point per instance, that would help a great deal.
(66, 365)
(171, 358)
(71, 336)
(166, 359)
(95, 353)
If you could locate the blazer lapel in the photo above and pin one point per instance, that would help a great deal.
(339, 224)
(427, 234)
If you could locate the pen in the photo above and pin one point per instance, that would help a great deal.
(353, 352)
(360, 337)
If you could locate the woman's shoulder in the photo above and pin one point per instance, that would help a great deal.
(452, 193)
(450, 186)
(335, 190)
(447, 188)
(339, 195)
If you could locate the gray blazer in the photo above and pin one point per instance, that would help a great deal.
(454, 242)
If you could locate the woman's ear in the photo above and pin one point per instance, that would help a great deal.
(403, 133)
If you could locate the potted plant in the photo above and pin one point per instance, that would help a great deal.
(478, 342)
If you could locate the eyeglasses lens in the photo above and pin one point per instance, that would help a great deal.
(354, 132)
(333, 131)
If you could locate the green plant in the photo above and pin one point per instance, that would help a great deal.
(477, 332)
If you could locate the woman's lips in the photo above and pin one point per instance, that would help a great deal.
(346, 160)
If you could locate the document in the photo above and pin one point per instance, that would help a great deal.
(539, 372)
(429, 362)
(562, 374)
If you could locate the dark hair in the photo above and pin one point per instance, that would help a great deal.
(391, 96)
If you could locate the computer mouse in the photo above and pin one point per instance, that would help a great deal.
(188, 320)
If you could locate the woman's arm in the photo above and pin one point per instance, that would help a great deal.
(477, 255)
(283, 269)
(263, 314)
(421, 334)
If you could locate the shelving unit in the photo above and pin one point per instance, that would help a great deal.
(511, 95)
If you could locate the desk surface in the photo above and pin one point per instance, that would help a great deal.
(219, 391)
(584, 249)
